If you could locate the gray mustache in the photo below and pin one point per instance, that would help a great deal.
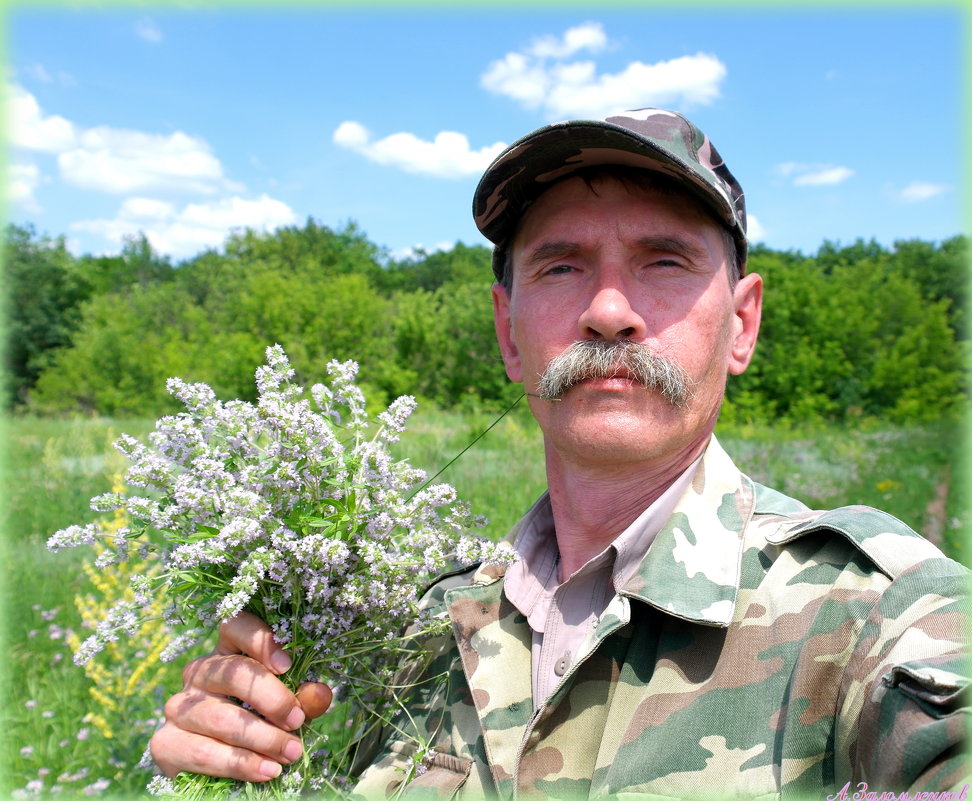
(589, 358)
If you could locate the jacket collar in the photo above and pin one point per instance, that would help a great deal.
(692, 568)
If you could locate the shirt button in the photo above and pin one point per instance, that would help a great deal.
(560, 667)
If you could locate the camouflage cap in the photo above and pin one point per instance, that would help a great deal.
(647, 138)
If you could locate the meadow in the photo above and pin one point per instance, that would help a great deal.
(76, 732)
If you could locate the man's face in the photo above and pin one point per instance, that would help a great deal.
(624, 263)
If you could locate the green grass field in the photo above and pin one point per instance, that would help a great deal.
(61, 739)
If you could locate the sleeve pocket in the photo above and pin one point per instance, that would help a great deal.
(938, 692)
(439, 775)
(442, 776)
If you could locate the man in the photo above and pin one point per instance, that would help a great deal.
(672, 628)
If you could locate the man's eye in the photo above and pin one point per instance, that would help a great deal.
(559, 269)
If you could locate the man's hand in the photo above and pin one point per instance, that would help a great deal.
(206, 732)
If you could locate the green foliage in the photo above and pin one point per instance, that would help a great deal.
(137, 265)
(461, 265)
(848, 333)
(212, 323)
(853, 333)
(125, 349)
(941, 274)
(446, 341)
(43, 290)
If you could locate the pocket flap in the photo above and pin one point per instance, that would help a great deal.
(440, 775)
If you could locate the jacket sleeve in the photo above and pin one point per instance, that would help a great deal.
(408, 749)
(903, 710)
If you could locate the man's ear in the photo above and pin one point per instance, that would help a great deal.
(504, 333)
(748, 301)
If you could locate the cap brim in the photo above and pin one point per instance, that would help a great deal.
(531, 164)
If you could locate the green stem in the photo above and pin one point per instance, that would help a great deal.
(456, 457)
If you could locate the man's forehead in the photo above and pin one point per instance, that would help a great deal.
(652, 219)
(650, 194)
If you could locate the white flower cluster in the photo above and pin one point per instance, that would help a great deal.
(287, 508)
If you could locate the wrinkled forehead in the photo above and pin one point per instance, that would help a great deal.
(670, 214)
(676, 204)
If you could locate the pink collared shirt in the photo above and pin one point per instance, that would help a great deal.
(562, 615)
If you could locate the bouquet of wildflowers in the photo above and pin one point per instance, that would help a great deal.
(294, 509)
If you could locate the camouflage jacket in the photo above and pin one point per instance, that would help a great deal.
(763, 650)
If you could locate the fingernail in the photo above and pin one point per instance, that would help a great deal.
(295, 718)
(270, 769)
(280, 662)
(292, 751)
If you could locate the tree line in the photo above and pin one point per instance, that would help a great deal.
(850, 331)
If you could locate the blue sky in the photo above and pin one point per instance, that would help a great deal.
(187, 121)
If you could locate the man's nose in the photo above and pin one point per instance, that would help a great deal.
(609, 316)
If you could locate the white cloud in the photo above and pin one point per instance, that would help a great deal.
(829, 176)
(116, 160)
(147, 30)
(755, 232)
(814, 174)
(38, 73)
(22, 180)
(517, 77)
(183, 232)
(121, 161)
(540, 77)
(587, 36)
(145, 208)
(263, 213)
(29, 128)
(919, 191)
(689, 80)
(417, 250)
(144, 166)
(352, 135)
(447, 156)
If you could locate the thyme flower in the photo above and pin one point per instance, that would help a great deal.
(292, 508)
